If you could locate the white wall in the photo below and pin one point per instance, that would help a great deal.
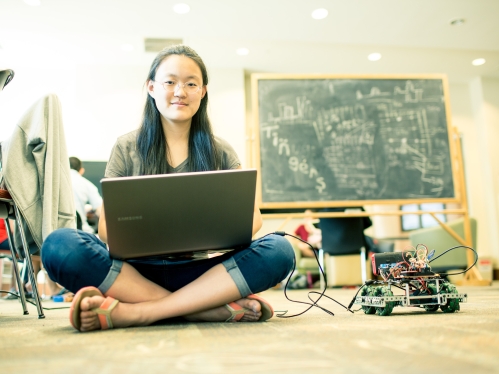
(226, 107)
(100, 103)
(28, 85)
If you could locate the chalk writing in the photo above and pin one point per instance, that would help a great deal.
(353, 139)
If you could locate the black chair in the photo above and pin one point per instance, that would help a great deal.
(8, 211)
(35, 182)
(343, 242)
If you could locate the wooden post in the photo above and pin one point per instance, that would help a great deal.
(472, 277)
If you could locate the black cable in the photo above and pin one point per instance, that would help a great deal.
(32, 303)
(321, 294)
(355, 296)
(456, 247)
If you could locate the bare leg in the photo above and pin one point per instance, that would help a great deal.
(53, 287)
(131, 287)
(144, 302)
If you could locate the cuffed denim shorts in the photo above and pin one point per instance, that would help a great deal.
(76, 259)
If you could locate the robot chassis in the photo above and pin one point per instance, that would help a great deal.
(410, 272)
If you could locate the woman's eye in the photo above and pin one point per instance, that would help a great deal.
(170, 83)
(190, 84)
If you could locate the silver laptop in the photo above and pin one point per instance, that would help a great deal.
(174, 213)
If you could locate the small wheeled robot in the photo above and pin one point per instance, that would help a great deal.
(408, 273)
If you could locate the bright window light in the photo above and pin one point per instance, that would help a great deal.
(242, 51)
(374, 56)
(478, 61)
(181, 8)
(320, 13)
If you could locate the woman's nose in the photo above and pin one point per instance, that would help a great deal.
(180, 90)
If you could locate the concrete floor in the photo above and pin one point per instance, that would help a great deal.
(408, 341)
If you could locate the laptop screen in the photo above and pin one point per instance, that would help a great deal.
(177, 213)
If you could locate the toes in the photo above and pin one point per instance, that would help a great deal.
(251, 317)
(253, 312)
(85, 304)
(254, 306)
(89, 315)
(89, 320)
(90, 325)
(91, 302)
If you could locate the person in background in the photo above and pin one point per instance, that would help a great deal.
(85, 192)
(13, 292)
(175, 136)
(308, 232)
(4, 245)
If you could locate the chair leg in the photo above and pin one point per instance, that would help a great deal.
(29, 264)
(16, 268)
(363, 264)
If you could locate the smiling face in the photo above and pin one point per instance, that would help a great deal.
(177, 107)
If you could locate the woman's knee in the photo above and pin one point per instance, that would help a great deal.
(56, 244)
(282, 254)
(65, 248)
(285, 247)
(75, 258)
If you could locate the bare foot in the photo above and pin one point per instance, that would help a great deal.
(123, 315)
(221, 313)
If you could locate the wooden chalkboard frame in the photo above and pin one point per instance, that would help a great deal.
(254, 142)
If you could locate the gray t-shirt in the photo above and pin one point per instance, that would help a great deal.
(124, 160)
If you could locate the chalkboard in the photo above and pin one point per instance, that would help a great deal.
(335, 139)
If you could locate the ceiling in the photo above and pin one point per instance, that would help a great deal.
(412, 36)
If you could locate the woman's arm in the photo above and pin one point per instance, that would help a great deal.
(117, 167)
(257, 215)
(257, 220)
(102, 225)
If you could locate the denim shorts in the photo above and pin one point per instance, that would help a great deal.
(76, 259)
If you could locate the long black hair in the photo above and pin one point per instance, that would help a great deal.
(152, 148)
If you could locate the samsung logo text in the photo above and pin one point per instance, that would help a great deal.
(130, 218)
